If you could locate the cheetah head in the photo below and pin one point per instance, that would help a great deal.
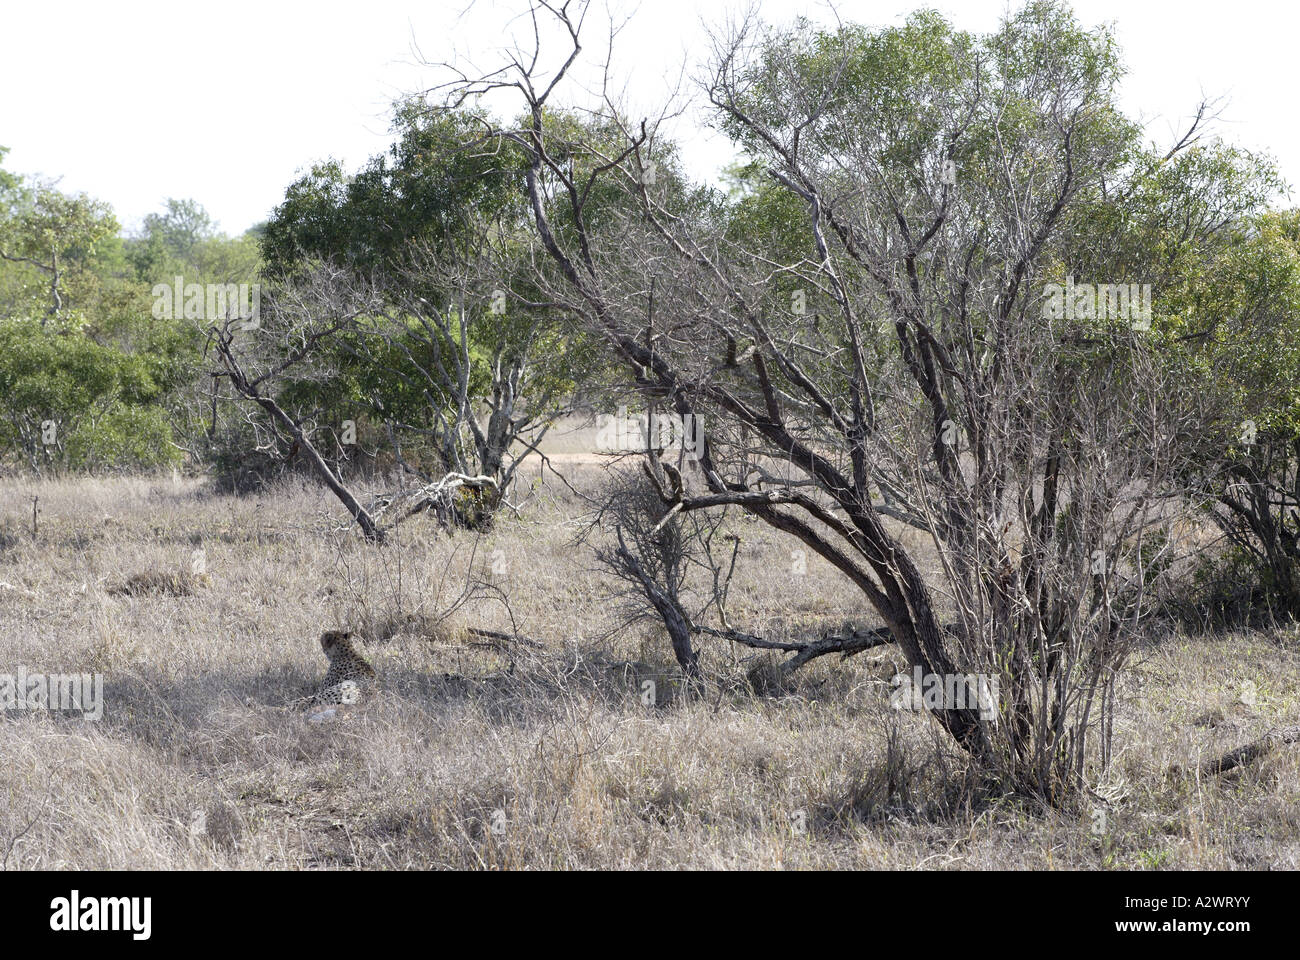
(334, 641)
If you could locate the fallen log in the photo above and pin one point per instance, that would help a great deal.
(440, 498)
(1250, 752)
(846, 644)
(496, 638)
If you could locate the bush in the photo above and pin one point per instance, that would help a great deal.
(68, 402)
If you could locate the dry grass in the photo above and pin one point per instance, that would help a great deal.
(471, 757)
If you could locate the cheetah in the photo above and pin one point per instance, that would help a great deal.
(349, 673)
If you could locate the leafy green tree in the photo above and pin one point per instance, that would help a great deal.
(182, 227)
(1239, 342)
(874, 315)
(90, 379)
(461, 362)
(55, 237)
(183, 241)
(13, 191)
(71, 403)
(1194, 224)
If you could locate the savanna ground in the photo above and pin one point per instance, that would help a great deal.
(469, 755)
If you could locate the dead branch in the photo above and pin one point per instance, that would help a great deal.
(440, 497)
(1251, 752)
(845, 644)
(674, 618)
(498, 639)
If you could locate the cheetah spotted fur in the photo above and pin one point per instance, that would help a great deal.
(349, 674)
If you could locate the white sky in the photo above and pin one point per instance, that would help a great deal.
(133, 102)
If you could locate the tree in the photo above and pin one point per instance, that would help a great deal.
(289, 329)
(1194, 222)
(85, 379)
(1240, 343)
(894, 361)
(57, 235)
(457, 373)
(12, 189)
(182, 228)
(69, 402)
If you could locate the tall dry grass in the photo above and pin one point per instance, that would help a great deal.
(471, 756)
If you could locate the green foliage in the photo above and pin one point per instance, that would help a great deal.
(105, 404)
(100, 368)
(416, 198)
(1229, 587)
(1225, 275)
(13, 191)
(122, 436)
(1241, 311)
(435, 224)
(183, 242)
(182, 228)
(896, 114)
(52, 244)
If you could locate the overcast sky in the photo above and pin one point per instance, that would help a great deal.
(134, 102)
